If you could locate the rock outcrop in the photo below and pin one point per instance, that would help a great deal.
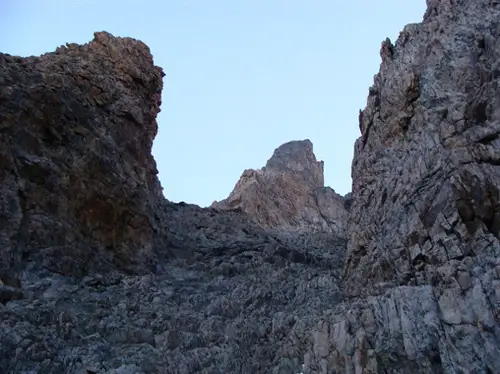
(100, 274)
(78, 184)
(289, 193)
(225, 298)
(423, 258)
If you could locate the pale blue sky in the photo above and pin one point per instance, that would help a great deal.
(242, 77)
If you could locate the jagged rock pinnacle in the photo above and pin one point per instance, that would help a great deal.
(289, 192)
(77, 129)
(298, 157)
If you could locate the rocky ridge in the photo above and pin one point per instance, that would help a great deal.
(191, 290)
(289, 193)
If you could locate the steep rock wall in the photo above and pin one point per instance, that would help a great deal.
(423, 258)
(79, 194)
(78, 183)
(81, 209)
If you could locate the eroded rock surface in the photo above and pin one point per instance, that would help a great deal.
(289, 193)
(78, 185)
(423, 259)
(99, 273)
(230, 299)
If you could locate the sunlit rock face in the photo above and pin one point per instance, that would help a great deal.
(289, 193)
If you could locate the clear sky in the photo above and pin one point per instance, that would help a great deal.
(242, 76)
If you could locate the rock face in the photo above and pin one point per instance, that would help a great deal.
(289, 193)
(423, 258)
(78, 185)
(230, 299)
(100, 274)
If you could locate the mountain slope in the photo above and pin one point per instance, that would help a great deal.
(99, 273)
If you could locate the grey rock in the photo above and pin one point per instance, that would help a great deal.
(8, 293)
(401, 276)
(423, 238)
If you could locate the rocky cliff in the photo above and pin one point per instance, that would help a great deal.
(100, 274)
(423, 257)
(78, 185)
(289, 193)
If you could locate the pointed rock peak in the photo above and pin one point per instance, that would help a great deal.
(289, 193)
(297, 157)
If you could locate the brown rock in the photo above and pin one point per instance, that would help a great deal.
(289, 193)
(421, 290)
(77, 176)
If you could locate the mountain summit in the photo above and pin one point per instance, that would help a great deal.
(297, 157)
(289, 193)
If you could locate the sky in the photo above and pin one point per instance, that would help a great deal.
(242, 77)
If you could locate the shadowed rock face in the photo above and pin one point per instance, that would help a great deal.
(289, 193)
(423, 239)
(254, 286)
(78, 185)
(99, 273)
